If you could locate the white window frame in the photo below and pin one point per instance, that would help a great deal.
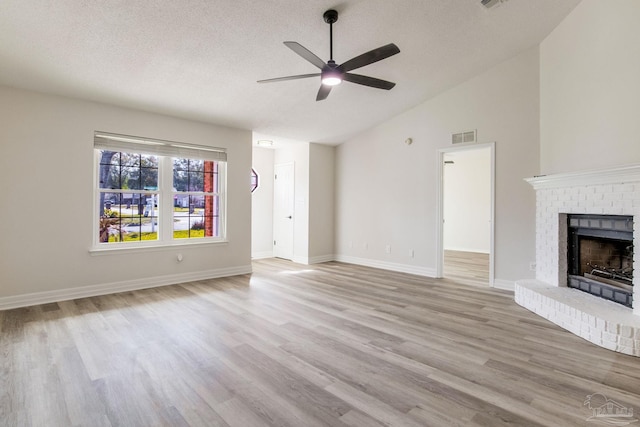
(166, 151)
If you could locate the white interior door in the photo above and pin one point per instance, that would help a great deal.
(283, 210)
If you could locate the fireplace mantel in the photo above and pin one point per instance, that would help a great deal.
(618, 175)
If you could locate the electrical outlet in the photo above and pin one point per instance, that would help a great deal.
(411, 253)
(532, 266)
(387, 249)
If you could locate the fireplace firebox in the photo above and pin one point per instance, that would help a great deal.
(600, 256)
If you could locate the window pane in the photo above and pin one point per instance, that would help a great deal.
(196, 181)
(109, 157)
(109, 169)
(196, 228)
(128, 171)
(130, 178)
(196, 216)
(195, 175)
(180, 164)
(130, 159)
(148, 161)
(148, 172)
(181, 219)
(181, 174)
(110, 176)
(211, 216)
(180, 180)
(211, 184)
(128, 217)
(196, 165)
(135, 178)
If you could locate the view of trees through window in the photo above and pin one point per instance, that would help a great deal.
(131, 198)
(127, 214)
(195, 185)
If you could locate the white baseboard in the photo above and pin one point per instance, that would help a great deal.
(26, 300)
(402, 268)
(312, 260)
(507, 285)
(472, 250)
(322, 258)
(262, 255)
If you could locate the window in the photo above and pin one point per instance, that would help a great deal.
(152, 192)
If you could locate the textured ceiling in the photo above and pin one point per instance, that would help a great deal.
(200, 59)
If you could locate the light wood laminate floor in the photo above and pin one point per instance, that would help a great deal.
(292, 345)
(469, 268)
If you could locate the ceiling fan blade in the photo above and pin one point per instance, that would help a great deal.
(323, 92)
(368, 81)
(282, 79)
(305, 53)
(370, 57)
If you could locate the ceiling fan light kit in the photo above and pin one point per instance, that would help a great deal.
(331, 73)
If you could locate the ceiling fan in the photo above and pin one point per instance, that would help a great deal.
(332, 74)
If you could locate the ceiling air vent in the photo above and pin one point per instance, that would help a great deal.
(490, 3)
(463, 137)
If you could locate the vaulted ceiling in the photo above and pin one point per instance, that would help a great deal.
(200, 59)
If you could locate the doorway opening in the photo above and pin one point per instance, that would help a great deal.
(466, 214)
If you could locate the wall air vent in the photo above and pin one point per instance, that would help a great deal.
(491, 3)
(464, 137)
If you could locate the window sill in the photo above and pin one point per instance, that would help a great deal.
(111, 250)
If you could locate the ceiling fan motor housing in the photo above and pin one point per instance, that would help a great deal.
(332, 67)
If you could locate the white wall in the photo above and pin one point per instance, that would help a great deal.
(321, 202)
(386, 192)
(590, 88)
(262, 204)
(467, 201)
(46, 173)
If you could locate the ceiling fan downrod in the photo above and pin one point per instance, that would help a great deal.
(330, 16)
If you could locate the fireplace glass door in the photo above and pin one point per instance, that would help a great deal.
(600, 256)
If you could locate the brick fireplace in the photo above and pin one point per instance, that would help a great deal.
(612, 196)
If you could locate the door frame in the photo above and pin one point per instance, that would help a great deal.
(440, 202)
